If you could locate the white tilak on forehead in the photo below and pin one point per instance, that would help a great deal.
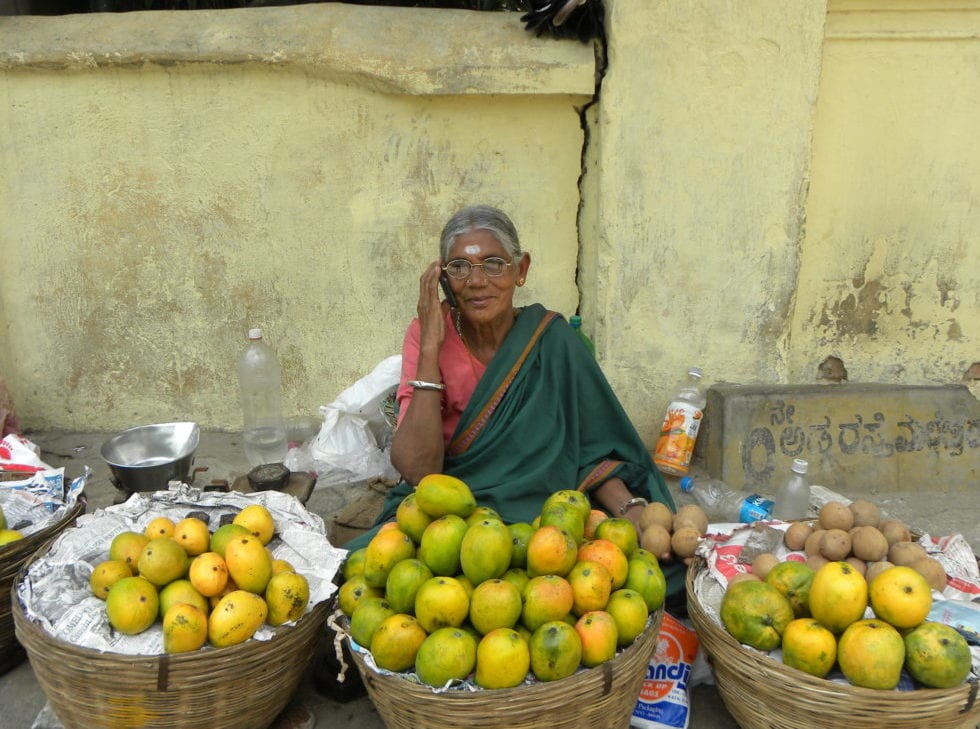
(471, 250)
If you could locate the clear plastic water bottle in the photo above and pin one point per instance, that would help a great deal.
(576, 322)
(793, 497)
(721, 503)
(259, 383)
(680, 427)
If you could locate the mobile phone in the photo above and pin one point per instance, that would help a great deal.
(448, 290)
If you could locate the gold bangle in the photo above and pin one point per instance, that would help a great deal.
(423, 385)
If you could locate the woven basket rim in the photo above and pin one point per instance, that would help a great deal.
(15, 554)
(837, 698)
(389, 692)
(23, 548)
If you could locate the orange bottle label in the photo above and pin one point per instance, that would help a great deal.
(677, 436)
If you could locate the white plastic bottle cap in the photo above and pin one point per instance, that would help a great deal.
(255, 333)
(800, 465)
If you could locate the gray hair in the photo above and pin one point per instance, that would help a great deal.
(481, 217)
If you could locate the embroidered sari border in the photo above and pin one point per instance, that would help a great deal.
(600, 473)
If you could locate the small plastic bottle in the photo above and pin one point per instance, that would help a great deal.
(680, 427)
(723, 504)
(259, 383)
(576, 323)
(793, 497)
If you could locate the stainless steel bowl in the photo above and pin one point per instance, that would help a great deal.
(148, 457)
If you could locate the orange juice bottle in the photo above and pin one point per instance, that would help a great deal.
(680, 428)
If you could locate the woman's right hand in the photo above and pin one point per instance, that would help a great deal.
(417, 447)
(431, 310)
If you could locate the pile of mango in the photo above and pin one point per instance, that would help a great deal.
(216, 588)
(816, 610)
(452, 592)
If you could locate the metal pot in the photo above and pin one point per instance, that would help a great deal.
(148, 457)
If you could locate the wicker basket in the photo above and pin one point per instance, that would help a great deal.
(762, 693)
(241, 687)
(14, 555)
(603, 696)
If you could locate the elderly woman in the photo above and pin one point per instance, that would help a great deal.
(509, 399)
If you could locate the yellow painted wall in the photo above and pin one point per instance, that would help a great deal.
(771, 183)
(890, 272)
(765, 183)
(698, 183)
(194, 174)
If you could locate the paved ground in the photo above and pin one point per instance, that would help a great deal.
(22, 699)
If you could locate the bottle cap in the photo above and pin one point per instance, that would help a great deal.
(695, 372)
(575, 320)
(800, 465)
(687, 483)
(255, 333)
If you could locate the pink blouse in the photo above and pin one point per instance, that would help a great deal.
(460, 372)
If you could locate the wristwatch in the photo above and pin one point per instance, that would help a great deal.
(635, 501)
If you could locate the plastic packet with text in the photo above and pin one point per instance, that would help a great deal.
(665, 697)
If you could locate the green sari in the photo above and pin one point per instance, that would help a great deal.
(543, 418)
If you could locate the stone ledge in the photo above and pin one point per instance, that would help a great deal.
(465, 52)
(891, 20)
(857, 438)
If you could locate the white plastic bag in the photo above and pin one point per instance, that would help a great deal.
(354, 439)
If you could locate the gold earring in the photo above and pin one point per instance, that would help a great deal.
(520, 282)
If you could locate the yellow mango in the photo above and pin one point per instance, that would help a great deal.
(185, 628)
(287, 595)
(257, 519)
(235, 618)
(281, 565)
(249, 563)
(208, 573)
(132, 605)
(386, 549)
(439, 494)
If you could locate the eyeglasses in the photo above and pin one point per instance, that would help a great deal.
(461, 268)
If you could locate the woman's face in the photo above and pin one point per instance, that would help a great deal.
(483, 298)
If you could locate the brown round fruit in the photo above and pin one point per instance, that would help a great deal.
(835, 545)
(742, 577)
(656, 513)
(904, 554)
(795, 537)
(816, 561)
(876, 568)
(869, 544)
(684, 542)
(865, 513)
(933, 570)
(835, 515)
(656, 540)
(812, 544)
(895, 531)
(691, 515)
(763, 564)
(859, 564)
